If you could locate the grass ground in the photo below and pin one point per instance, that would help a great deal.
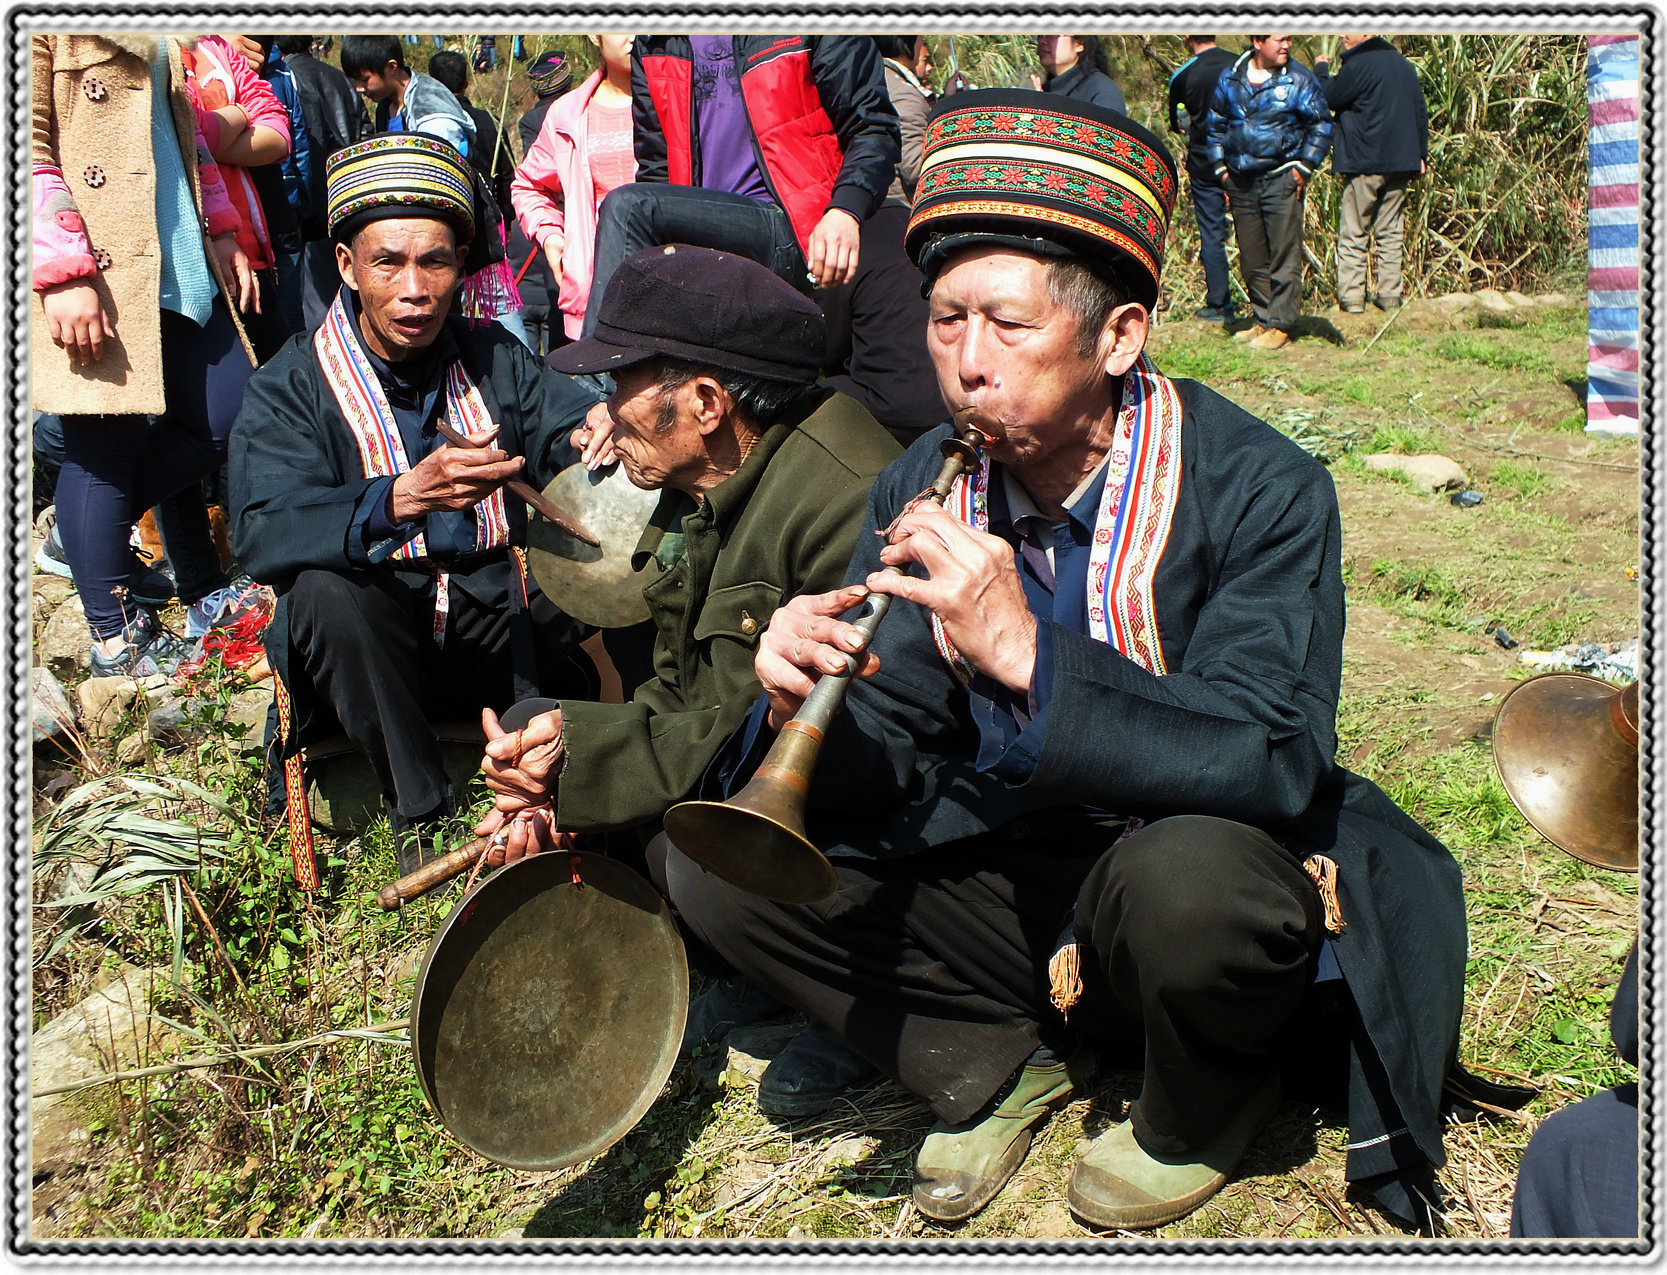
(335, 1140)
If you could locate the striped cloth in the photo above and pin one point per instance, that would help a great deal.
(1612, 263)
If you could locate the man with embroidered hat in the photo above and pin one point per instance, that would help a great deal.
(1086, 788)
(403, 599)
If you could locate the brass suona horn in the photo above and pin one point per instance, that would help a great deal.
(1566, 746)
(756, 840)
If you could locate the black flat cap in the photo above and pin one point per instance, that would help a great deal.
(703, 306)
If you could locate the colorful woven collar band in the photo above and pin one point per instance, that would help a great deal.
(1015, 162)
(399, 175)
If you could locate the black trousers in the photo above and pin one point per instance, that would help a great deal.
(1197, 940)
(363, 640)
(1267, 224)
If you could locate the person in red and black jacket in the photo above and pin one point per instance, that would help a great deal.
(775, 147)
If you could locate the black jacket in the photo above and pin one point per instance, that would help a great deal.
(1381, 123)
(1085, 84)
(335, 118)
(1191, 87)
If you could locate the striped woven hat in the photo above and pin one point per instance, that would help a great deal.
(399, 175)
(1045, 173)
(550, 75)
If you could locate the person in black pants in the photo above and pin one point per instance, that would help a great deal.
(1191, 88)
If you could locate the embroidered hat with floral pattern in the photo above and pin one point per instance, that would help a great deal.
(1044, 174)
(400, 175)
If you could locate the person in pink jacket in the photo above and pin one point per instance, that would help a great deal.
(583, 151)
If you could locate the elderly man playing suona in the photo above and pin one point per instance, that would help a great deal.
(764, 479)
(402, 600)
(1086, 789)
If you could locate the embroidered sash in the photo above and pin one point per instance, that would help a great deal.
(1137, 506)
(363, 403)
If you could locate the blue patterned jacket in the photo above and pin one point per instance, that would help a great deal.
(1253, 130)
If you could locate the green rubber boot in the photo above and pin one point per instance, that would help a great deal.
(962, 1167)
(1119, 1185)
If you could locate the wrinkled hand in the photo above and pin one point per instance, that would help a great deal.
(804, 640)
(595, 438)
(832, 251)
(973, 587)
(1299, 179)
(77, 320)
(518, 764)
(527, 832)
(1036, 82)
(452, 478)
(236, 268)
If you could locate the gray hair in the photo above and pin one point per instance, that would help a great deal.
(759, 401)
(1088, 293)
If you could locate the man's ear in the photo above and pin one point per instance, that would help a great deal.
(344, 265)
(712, 402)
(1124, 337)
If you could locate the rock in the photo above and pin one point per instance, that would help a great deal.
(49, 706)
(131, 749)
(1452, 301)
(105, 701)
(1431, 472)
(1493, 299)
(167, 721)
(1554, 298)
(109, 1031)
(51, 592)
(249, 708)
(65, 644)
(1517, 299)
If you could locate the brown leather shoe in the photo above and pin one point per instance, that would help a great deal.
(1270, 339)
(1251, 333)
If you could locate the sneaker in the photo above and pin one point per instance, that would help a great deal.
(50, 557)
(147, 585)
(150, 650)
(1351, 307)
(1386, 303)
(1214, 314)
(220, 609)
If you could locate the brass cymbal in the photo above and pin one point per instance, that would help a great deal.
(1566, 746)
(595, 585)
(549, 1010)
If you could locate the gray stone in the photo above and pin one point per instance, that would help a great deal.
(131, 749)
(105, 702)
(1452, 301)
(49, 706)
(51, 592)
(1431, 472)
(345, 796)
(64, 644)
(1518, 299)
(111, 1030)
(1493, 299)
(1554, 298)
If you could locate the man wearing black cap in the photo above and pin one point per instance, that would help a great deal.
(763, 480)
(401, 598)
(1087, 789)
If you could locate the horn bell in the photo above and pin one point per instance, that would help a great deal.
(1566, 746)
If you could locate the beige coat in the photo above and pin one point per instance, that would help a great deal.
(77, 126)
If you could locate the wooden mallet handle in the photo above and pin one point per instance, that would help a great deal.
(534, 498)
(432, 875)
